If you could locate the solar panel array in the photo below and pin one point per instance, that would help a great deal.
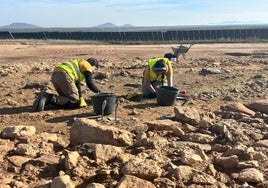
(128, 35)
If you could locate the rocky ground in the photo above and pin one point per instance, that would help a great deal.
(217, 139)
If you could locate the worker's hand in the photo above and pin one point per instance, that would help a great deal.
(152, 95)
(82, 102)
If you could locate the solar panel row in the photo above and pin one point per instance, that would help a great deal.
(173, 35)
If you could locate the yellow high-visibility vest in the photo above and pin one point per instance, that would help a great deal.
(153, 76)
(72, 69)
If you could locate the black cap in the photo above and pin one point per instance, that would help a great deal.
(160, 65)
(93, 62)
(169, 56)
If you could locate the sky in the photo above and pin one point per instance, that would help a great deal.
(90, 13)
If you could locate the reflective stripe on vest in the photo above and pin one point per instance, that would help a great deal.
(153, 76)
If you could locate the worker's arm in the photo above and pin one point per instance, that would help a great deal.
(82, 102)
(78, 85)
(170, 74)
(147, 80)
(89, 82)
(149, 86)
(170, 80)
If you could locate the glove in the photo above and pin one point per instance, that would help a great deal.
(154, 95)
(131, 95)
(82, 102)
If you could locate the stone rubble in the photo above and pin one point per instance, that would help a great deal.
(226, 149)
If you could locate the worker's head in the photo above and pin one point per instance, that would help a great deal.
(160, 67)
(94, 63)
(169, 56)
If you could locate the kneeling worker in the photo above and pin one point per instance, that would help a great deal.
(157, 73)
(66, 79)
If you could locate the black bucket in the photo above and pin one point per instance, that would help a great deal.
(97, 101)
(166, 96)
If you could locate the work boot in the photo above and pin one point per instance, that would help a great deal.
(42, 100)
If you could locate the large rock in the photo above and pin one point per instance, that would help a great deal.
(12, 132)
(187, 114)
(238, 107)
(71, 159)
(191, 159)
(251, 175)
(258, 106)
(261, 143)
(202, 178)
(183, 144)
(129, 181)
(106, 152)
(17, 160)
(164, 183)
(143, 168)
(168, 125)
(199, 138)
(227, 162)
(183, 173)
(62, 182)
(89, 131)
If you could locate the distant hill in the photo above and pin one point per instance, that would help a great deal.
(31, 26)
(113, 25)
(106, 25)
(20, 26)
